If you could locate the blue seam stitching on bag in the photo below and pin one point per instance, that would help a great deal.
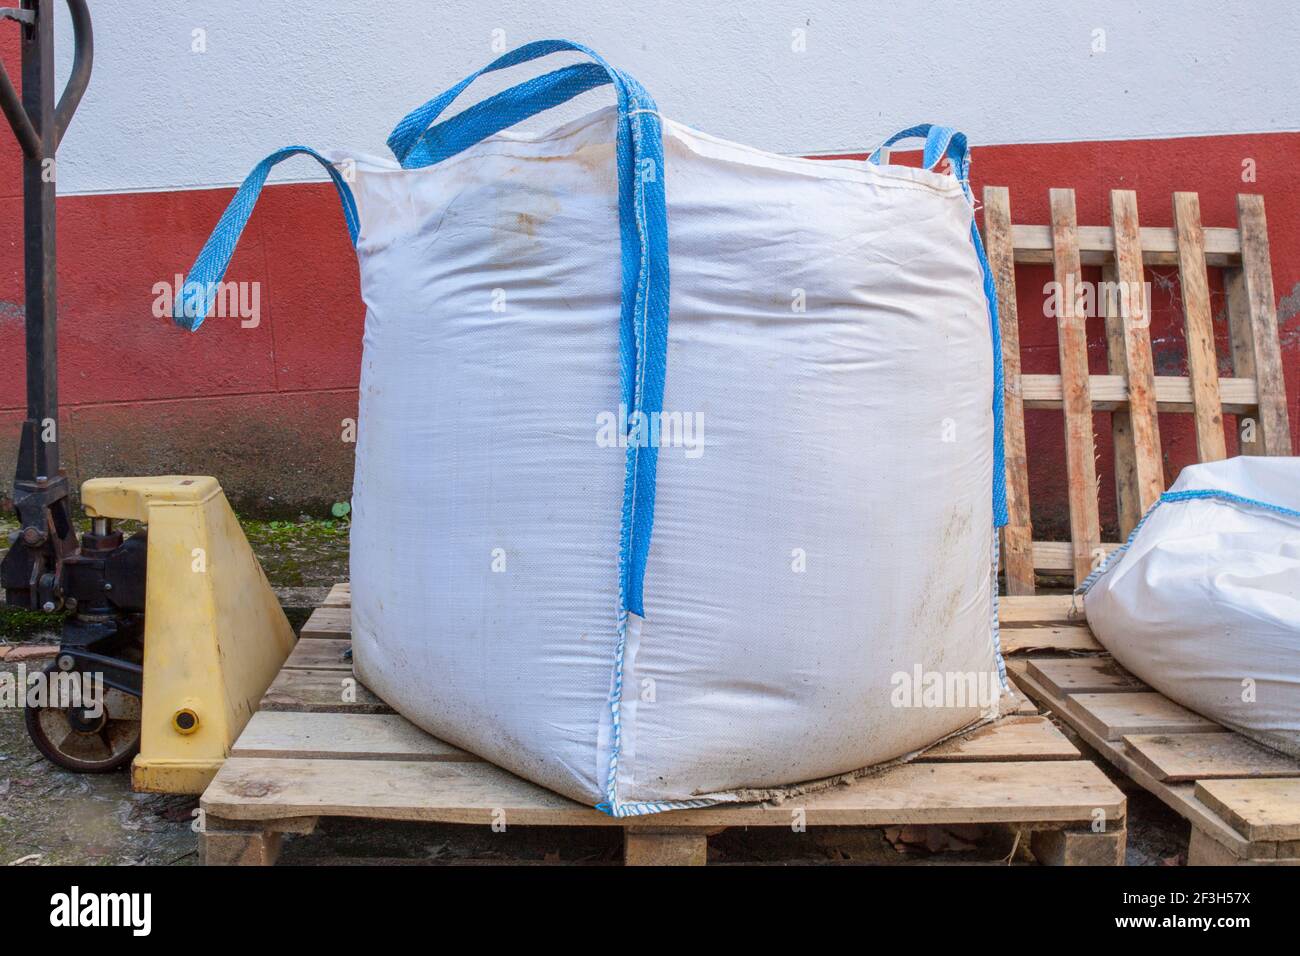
(1174, 497)
(996, 626)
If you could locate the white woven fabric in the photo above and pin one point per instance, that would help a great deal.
(1204, 604)
(822, 526)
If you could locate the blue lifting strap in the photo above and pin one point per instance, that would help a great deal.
(194, 301)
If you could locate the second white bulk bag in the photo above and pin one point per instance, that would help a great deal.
(676, 458)
(1203, 602)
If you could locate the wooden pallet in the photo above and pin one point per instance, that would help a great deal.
(1130, 391)
(1241, 799)
(310, 752)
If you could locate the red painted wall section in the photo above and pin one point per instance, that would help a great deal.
(262, 408)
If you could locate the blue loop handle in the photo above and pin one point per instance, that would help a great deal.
(502, 111)
(413, 126)
(194, 301)
(940, 142)
(643, 234)
(944, 142)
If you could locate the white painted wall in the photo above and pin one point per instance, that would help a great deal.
(158, 116)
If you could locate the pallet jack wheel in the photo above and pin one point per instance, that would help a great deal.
(82, 741)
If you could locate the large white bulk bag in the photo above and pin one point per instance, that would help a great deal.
(1203, 601)
(811, 438)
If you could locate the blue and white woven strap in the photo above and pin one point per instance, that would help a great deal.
(1175, 497)
(194, 301)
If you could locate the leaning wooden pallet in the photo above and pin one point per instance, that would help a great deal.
(321, 745)
(1131, 392)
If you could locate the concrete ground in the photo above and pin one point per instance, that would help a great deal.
(50, 816)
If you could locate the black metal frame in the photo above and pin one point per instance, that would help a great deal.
(32, 569)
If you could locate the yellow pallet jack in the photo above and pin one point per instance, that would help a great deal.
(170, 635)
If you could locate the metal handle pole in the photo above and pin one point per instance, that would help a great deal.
(39, 125)
(31, 570)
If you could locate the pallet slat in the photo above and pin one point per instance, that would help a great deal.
(1059, 556)
(1018, 534)
(328, 622)
(1109, 392)
(1020, 640)
(322, 653)
(1115, 715)
(1048, 791)
(1111, 306)
(321, 691)
(1202, 361)
(1076, 400)
(1012, 738)
(1259, 809)
(1038, 610)
(1082, 675)
(1257, 275)
(349, 736)
(353, 736)
(1181, 758)
(1033, 245)
(1127, 325)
